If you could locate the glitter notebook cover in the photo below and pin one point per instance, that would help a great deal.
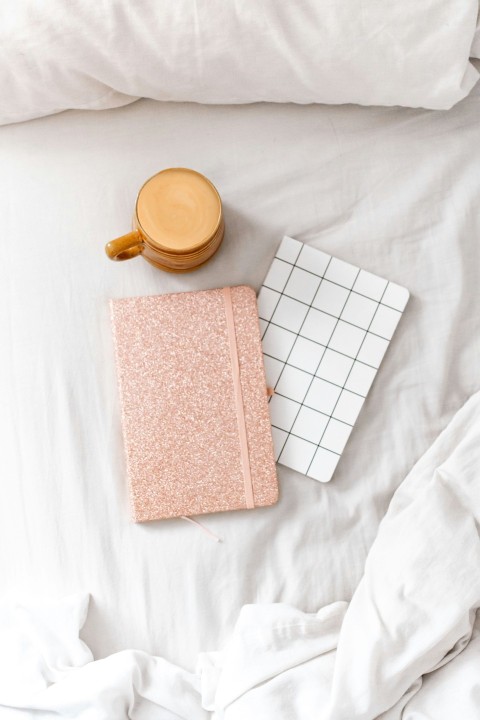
(326, 326)
(194, 403)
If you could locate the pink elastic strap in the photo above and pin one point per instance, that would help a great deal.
(237, 388)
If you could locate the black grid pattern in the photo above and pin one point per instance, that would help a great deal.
(353, 343)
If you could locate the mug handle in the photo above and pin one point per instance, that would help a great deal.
(126, 247)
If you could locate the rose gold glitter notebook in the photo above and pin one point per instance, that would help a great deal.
(194, 403)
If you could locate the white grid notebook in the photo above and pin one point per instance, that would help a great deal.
(325, 328)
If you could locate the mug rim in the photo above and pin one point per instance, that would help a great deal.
(201, 243)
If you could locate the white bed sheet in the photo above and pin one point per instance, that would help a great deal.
(395, 191)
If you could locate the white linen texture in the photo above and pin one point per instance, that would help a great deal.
(394, 191)
(87, 54)
(407, 647)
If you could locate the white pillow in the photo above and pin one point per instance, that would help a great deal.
(56, 55)
(475, 50)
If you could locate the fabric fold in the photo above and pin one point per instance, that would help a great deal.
(405, 648)
(46, 669)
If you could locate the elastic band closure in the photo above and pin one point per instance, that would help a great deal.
(237, 388)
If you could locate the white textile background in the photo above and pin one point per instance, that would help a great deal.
(392, 190)
(86, 54)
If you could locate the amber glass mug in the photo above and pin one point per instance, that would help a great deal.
(178, 222)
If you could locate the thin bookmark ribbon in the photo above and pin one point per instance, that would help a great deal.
(202, 527)
(237, 388)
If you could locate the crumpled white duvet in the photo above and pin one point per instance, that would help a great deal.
(407, 646)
